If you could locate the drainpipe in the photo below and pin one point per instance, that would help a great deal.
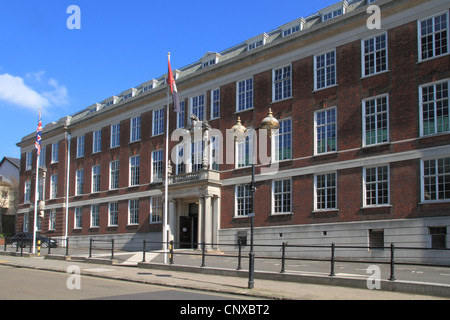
(68, 137)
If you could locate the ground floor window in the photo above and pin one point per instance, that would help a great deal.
(438, 237)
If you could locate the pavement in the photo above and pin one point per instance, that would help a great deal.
(268, 284)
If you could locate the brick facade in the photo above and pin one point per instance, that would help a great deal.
(402, 153)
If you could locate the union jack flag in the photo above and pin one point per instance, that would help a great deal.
(39, 135)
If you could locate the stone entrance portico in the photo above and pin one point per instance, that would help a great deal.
(194, 196)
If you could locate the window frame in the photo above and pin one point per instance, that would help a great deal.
(54, 186)
(96, 178)
(327, 195)
(55, 152)
(377, 114)
(286, 90)
(435, 110)
(158, 122)
(376, 183)
(135, 129)
(116, 177)
(78, 218)
(325, 67)
(284, 195)
(434, 176)
(111, 213)
(115, 135)
(246, 96)
(157, 166)
(133, 212)
(81, 143)
(95, 216)
(374, 53)
(419, 37)
(97, 141)
(156, 205)
(248, 145)
(197, 105)
(215, 104)
(281, 136)
(246, 198)
(134, 171)
(316, 134)
(79, 182)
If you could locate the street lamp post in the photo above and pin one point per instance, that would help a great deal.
(268, 123)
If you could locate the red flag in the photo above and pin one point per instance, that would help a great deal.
(173, 89)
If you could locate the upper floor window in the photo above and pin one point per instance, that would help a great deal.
(157, 166)
(158, 122)
(80, 147)
(55, 152)
(245, 150)
(375, 120)
(282, 83)
(79, 178)
(181, 116)
(215, 104)
(374, 55)
(97, 141)
(283, 140)
(135, 134)
(434, 108)
(42, 157)
(198, 107)
(27, 193)
(114, 175)
(325, 70)
(135, 165)
(433, 36)
(53, 186)
(115, 135)
(29, 160)
(245, 94)
(325, 127)
(96, 178)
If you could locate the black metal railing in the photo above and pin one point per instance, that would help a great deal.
(283, 254)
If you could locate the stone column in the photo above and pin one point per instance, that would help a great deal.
(208, 230)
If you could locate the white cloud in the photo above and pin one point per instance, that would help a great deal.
(58, 96)
(14, 90)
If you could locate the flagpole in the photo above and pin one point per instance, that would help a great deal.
(166, 178)
(36, 189)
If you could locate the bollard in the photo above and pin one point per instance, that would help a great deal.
(112, 249)
(239, 256)
(392, 277)
(90, 247)
(49, 246)
(6, 240)
(143, 250)
(203, 254)
(67, 246)
(283, 257)
(171, 252)
(332, 260)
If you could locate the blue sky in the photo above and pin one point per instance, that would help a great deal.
(120, 45)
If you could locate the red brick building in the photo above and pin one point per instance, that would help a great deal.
(363, 152)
